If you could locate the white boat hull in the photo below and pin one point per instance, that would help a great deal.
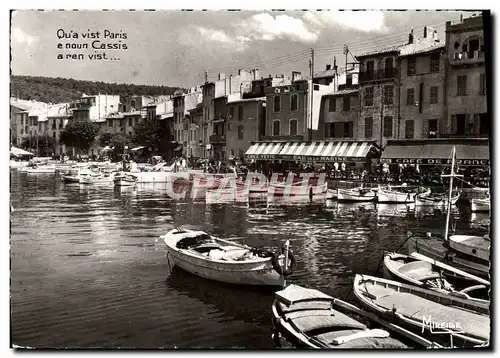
(256, 272)
(476, 246)
(355, 195)
(71, 178)
(480, 205)
(442, 200)
(50, 170)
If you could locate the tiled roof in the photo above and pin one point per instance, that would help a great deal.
(389, 49)
(343, 92)
(420, 47)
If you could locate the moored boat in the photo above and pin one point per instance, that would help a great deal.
(480, 205)
(125, 179)
(40, 169)
(306, 318)
(102, 179)
(401, 194)
(453, 321)
(424, 272)
(221, 260)
(475, 246)
(429, 199)
(356, 194)
(332, 194)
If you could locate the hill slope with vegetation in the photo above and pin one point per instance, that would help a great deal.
(60, 90)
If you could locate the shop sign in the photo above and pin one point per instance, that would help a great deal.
(261, 156)
(476, 162)
(322, 158)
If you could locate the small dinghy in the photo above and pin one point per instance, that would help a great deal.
(453, 321)
(103, 179)
(356, 194)
(424, 272)
(225, 261)
(306, 319)
(480, 205)
(435, 199)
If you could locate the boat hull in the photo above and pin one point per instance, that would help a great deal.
(439, 250)
(480, 205)
(475, 246)
(425, 200)
(355, 195)
(71, 179)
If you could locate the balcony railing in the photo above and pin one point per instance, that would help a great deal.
(283, 137)
(215, 138)
(465, 58)
(378, 75)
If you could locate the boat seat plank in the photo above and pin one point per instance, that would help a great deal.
(306, 324)
(360, 343)
(419, 270)
(418, 308)
(305, 306)
(307, 313)
(293, 294)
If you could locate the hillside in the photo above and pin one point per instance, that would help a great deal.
(59, 90)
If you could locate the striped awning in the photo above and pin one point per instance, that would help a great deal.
(264, 150)
(326, 151)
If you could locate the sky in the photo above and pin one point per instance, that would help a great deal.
(175, 48)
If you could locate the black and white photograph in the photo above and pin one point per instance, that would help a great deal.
(250, 179)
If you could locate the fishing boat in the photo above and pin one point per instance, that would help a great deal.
(225, 261)
(305, 318)
(102, 179)
(399, 194)
(75, 174)
(424, 272)
(432, 199)
(125, 179)
(40, 169)
(452, 321)
(480, 205)
(356, 194)
(467, 253)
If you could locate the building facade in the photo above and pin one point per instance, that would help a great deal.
(379, 94)
(422, 87)
(466, 103)
(246, 120)
(340, 115)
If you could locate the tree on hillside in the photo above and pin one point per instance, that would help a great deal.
(152, 134)
(79, 135)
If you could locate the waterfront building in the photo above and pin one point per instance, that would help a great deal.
(341, 113)
(465, 89)
(95, 107)
(245, 123)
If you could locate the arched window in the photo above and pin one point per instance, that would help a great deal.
(293, 127)
(276, 127)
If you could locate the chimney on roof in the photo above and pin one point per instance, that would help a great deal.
(296, 76)
(435, 36)
(222, 76)
(328, 67)
(425, 32)
(410, 37)
(461, 17)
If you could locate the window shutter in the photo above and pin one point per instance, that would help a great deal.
(426, 129)
(476, 123)
(453, 123)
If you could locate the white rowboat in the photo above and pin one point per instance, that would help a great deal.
(356, 194)
(220, 260)
(480, 205)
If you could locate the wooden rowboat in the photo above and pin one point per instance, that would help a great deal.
(435, 200)
(356, 194)
(306, 319)
(226, 261)
(424, 272)
(398, 194)
(452, 321)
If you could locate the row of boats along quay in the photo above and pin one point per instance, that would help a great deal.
(430, 289)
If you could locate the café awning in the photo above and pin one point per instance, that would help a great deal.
(328, 151)
(264, 150)
(474, 152)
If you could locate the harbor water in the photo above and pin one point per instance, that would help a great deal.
(88, 271)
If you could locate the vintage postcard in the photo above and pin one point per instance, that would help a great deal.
(250, 179)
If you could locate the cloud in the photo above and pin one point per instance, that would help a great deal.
(265, 27)
(199, 35)
(365, 21)
(19, 37)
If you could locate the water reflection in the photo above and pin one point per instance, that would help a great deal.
(87, 269)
